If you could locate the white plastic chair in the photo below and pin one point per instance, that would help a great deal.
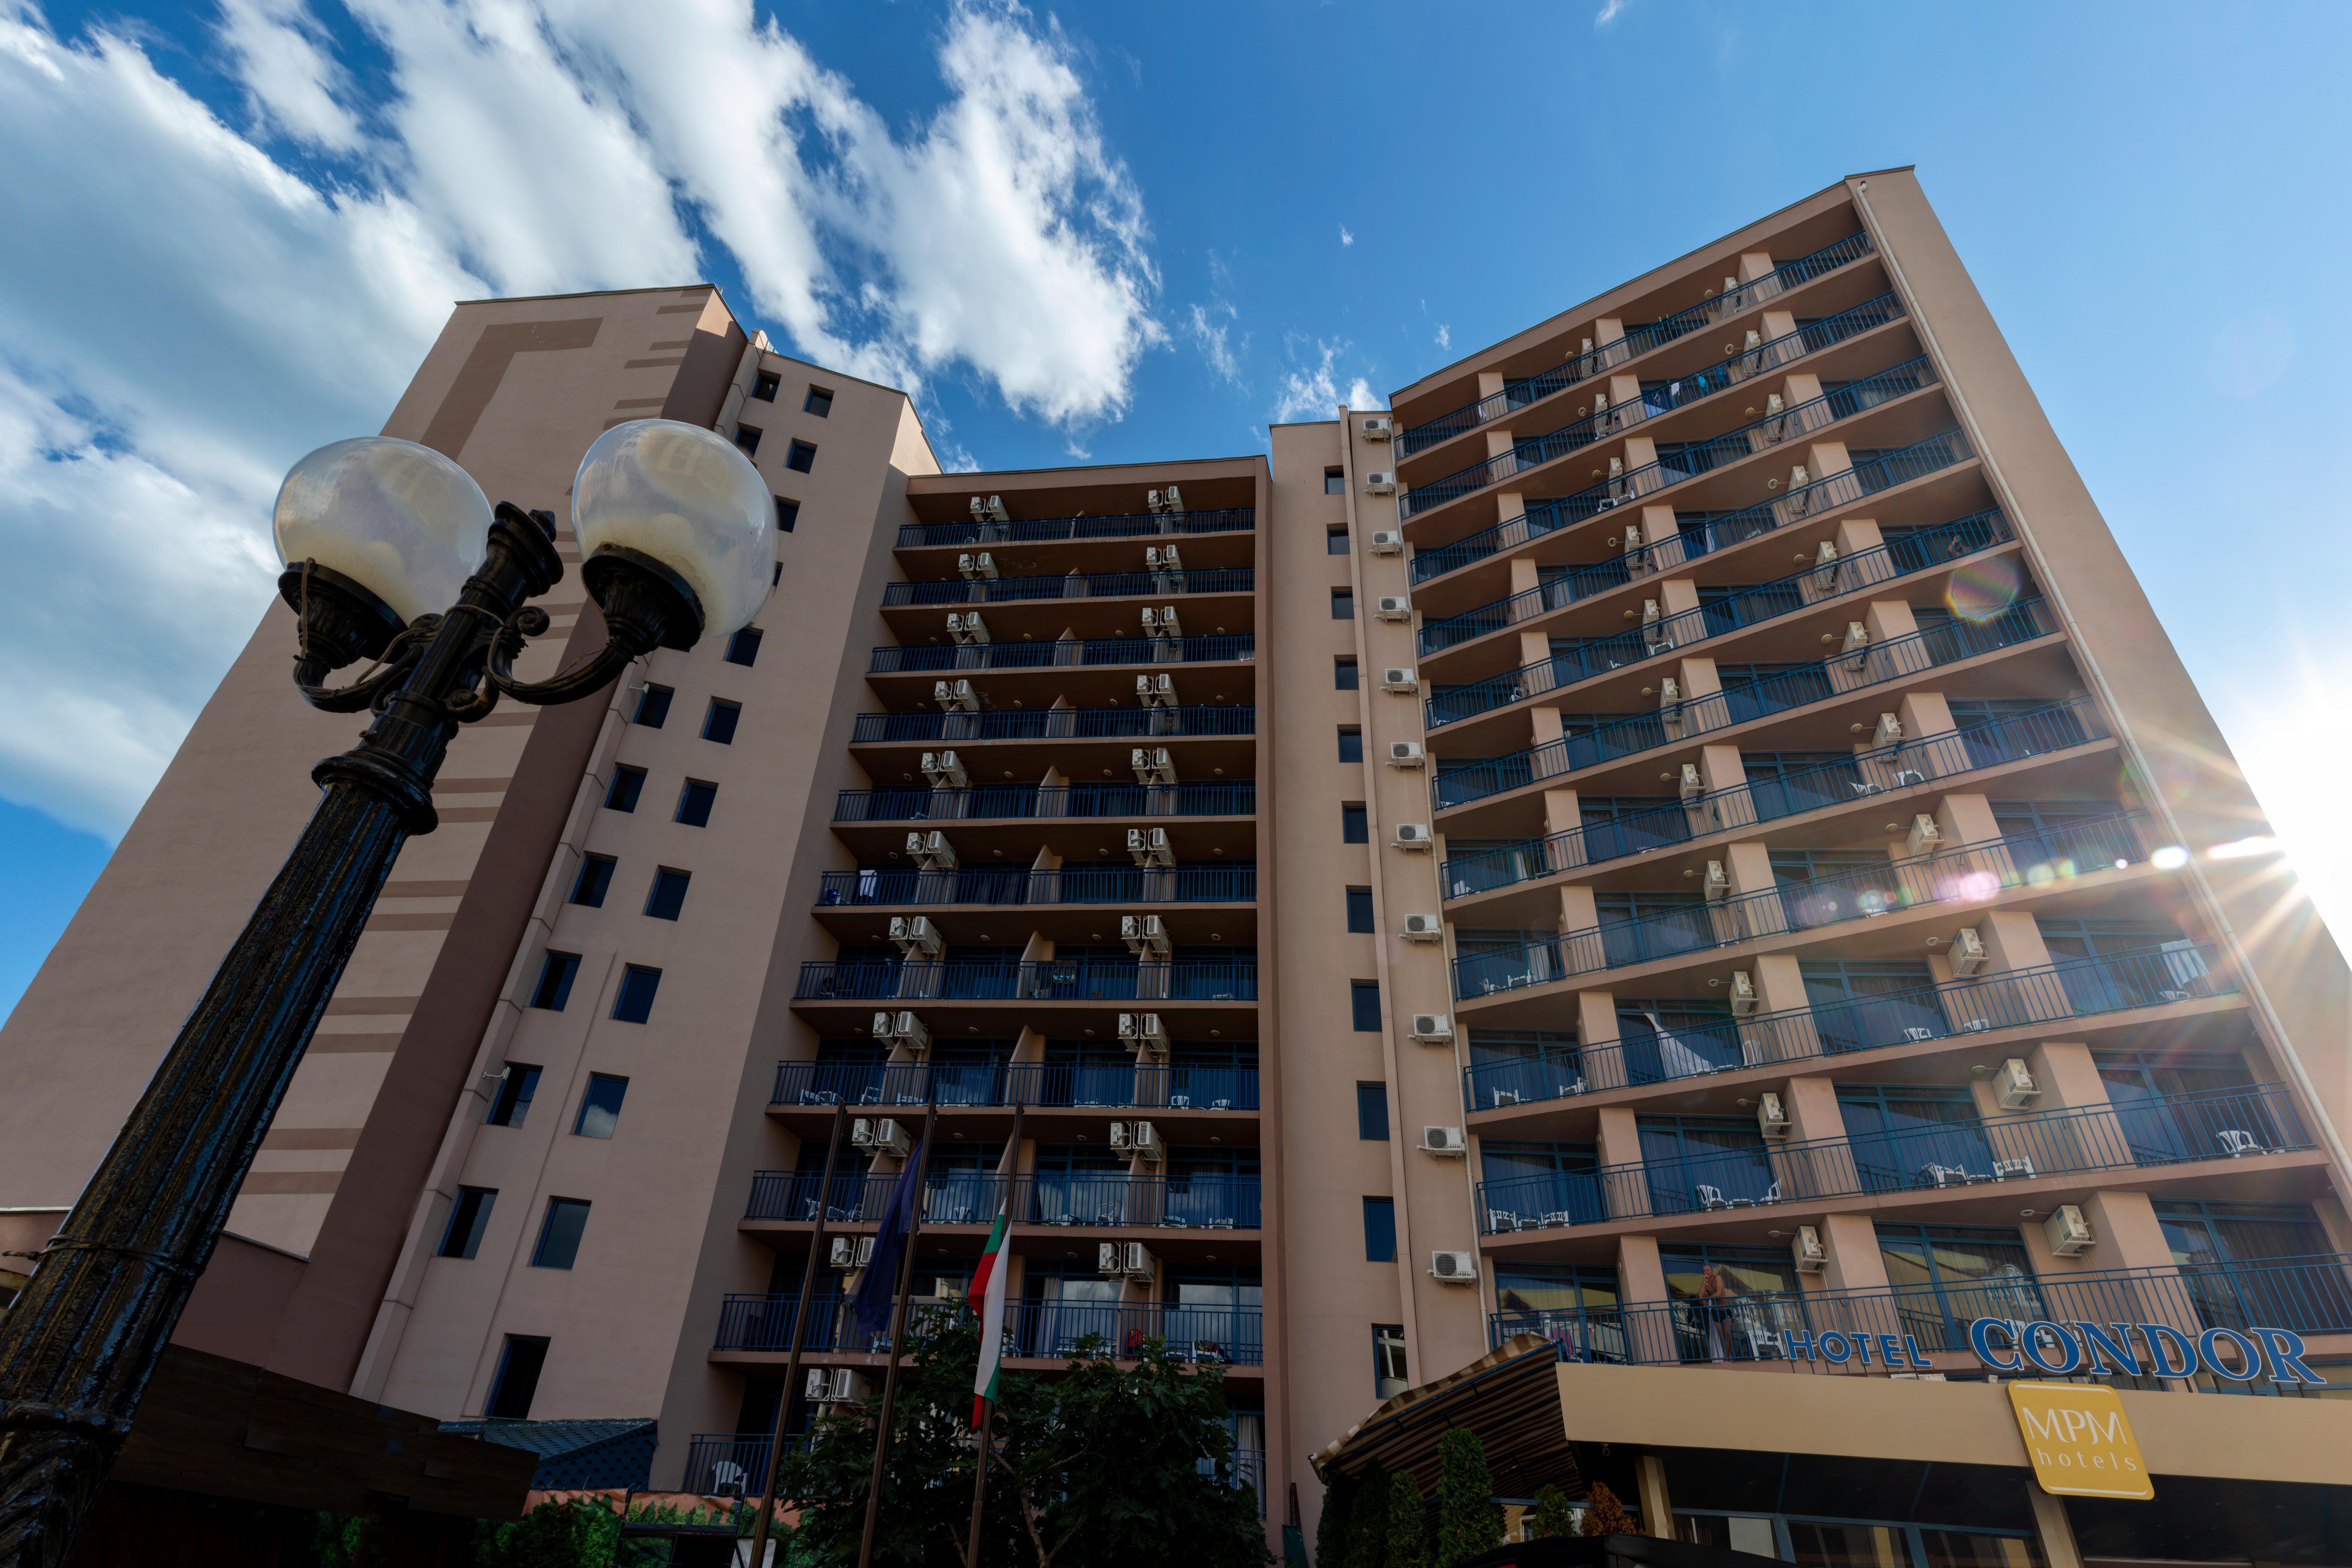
(2237, 1142)
(2017, 1170)
(1711, 1198)
(727, 1479)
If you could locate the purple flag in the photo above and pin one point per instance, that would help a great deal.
(878, 1287)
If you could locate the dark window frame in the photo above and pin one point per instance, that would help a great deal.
(522, 1362)
(666, 899)
(562, 1215)
(696, 796)
(747, 439)
(653, 706)
(720, 720)
(1360, 918)
(1379, 1230)
(471, 1211)
(627, 784)
(517, 1086)
(788, 517)
(765, 385)
(1354, 822)
(818, 401)
(1372, 1112)
(1346, 675)
(1364, 1003)
(601, 1083)
(633, 999)
(1343, 603)
(743, 647)
(592, 882)
(557, 971)
(801, 458)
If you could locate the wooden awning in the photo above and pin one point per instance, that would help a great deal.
(1509, 1397)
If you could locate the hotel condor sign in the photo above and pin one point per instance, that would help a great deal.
(2055, 1350)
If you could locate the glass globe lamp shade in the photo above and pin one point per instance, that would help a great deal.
(686, 497)
(400, 520)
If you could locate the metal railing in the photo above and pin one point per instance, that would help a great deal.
(1697, 458)
(1050, 980)
(1056, 723)
(1067, 653)
(1207, 1201)
(1050, 1330)
(2309, 1295)
(1083, 885)
(2082, 988)
(1519, 393)
(1969, 873)
(1119, 1085)
(1716, 531)
(2074, 722)
(1109, 525)
(727, 1464)
(1030, 801)
(2219, 1124)
(1071, 586)
(1460, 782)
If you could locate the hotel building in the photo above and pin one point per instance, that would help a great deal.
(1680, 836)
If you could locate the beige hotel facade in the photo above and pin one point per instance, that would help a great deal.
(1680, 838)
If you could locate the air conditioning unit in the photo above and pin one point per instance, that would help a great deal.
(1926, 837)
(1393, 608)
(1142, 1032)
(2015, 1088)
(976, 568)
(1379, 484)
(1136, 1138)
(1443, 1140)
(1670, 700)
(1405, 754)
(1424, 928)
(931, 851)
(1717, 883)
(880, 1136)
(915, 934)
(1454, 1268)
(1653, 629)
(1161, 622)
(1413, 835)
(1810, 1254)
(1152, 765)
(1167, 500)
(990, 510)
(1889, 731)
(1855, 650)
(1145, 935)
(836, 1385)
(902, 1028)
(944, 772)
(1743, 994)
(955, 696)
(1130, 1258)
(1376, 428)
(1632, 538)
(1156, 691)
(1693, 785)
(1150, 847)
(1772, 1115)
(1433, 1028)
(966, 626)
(1158, 559)
(853, 1251)
(1400, 680)
(2069, 1232)
(1387, 541)
(1967, 951)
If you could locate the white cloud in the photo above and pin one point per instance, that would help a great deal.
(1345, 238)
(1610, 11)
(287, 74)
(1445, 336)
(1211, 334)
(1314, 392)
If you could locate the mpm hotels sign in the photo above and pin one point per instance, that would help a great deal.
(2079, 1440)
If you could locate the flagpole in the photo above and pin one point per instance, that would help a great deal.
(800, 1332)
(987, 1407)
(898, 1344)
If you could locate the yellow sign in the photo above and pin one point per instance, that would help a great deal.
(2080, 1443)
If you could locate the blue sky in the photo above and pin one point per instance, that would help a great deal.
(1122, 232)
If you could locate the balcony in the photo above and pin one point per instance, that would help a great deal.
(1743, 607)
(1518, 393)
(1761, 435)
(1081, 1085)
(2153, 977)
(1056, 723)
(2146, 1134)
(1051, 980)
(1111, 525)
(1068, 653)
(723, 1464)
(1916, 461)
(1110, 1200)
(1032, 801)
(1232, 1336)
(1073, 586)
(1908, 764)
(1463, 781)
(2302, 1295)
(1970, 874)
(1087, 885)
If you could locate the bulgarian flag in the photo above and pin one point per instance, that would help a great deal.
(987, 1299)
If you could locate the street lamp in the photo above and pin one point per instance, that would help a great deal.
(393, 554)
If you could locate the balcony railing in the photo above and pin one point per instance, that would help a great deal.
(1051, 980)
(2160, 1130)
(728, 1464)
(2085, 988)
(1921, 457)
(2302, 1295)
(1085, 885)
(1067, 653)
(1699, 457)
(1030, 801)
(1842, 674)
(1744, 606)
(1969, 874)
(1208, 1201)
(1519, 393)
(2074, 722)
(1231, 1335)
(1109, 525)
(1056, 723)
(1071, 586)
(1109, 1084)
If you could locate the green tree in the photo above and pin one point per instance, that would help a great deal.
(1553, 1514)
(1408, 1521)
(1331, 1524)
(583, 1533)
(1604, 1515)
(1469, 1520)
(1368, 1520)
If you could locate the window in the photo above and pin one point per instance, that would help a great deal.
(1335, 541)
(1379, 1230)
(518, 1379)
(559, 1234)
(1388, 1361)
(719, 724)
(635, 1002)
(1343, 603)
(555, 978)
(1364, 997)
(747, 439)
(668, 895)
(744, 648)
(788, 514)
(512, 1102)
(595, 877)
(764, 384)
(1355, 823)
(1335, 483)
(601, 1110)
(652, 707)
(626, 782)
(1359, 908)
(1343, 674)
(1351, 743)
(801, 459)
(776, 574)
(1372, 1112)
(694, 803)
(468, 1217)
(819, 402)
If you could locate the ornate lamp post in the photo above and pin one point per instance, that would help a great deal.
(392, 554)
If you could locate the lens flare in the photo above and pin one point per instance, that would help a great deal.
(2171, 858)
(2240, 848)
(1983, 589)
